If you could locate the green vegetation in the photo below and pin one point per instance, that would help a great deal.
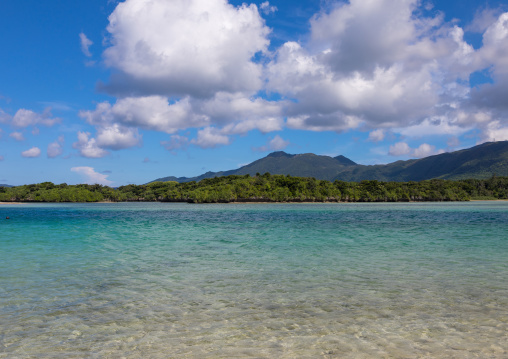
(264, 188)
(479, 162)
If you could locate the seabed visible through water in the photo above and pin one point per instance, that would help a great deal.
(162, 280)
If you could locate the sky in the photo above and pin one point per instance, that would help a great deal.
(115, 93)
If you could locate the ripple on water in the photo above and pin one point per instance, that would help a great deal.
(264, 281)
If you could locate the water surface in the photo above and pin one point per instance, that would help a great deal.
(161, 280)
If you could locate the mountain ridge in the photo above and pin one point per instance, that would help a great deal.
(481, 161)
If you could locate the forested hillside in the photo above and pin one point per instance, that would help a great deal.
(264, 188)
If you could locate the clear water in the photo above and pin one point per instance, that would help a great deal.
(152, 280)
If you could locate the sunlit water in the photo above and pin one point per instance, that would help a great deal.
(152, 280)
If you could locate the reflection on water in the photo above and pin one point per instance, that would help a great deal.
(263, 281)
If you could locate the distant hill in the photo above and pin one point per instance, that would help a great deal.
(480, 162)
(302, 165)
(5, 185)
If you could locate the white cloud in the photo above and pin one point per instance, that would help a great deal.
(438, 125)
(214, 55)
(494, 50)
(493, 56)
(483, 19)
(372, 63)
(230, 114)
(424, 150)
(31, 153)
(267, 8)
(399, 149)
(151, 113)
(85, 44)
(88, 147)
(365, 65)
(377, 135)
(55, 149)
(18, 136)
(240, 114)
(24, 118)
(92, 177)
(117, 137)
(495, 131)
(210, 137)
(275, 144)
(403, 149)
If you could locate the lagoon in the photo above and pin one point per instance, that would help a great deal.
(159, 280)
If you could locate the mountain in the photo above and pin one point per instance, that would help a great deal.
(302, 165)
(480, 162)
(4, 185)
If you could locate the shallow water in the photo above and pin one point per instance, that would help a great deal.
(161, 280)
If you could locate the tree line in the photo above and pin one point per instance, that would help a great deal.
(264, 188)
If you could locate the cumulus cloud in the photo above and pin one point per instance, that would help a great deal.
(425, 150)
(92, 177)
(483, 19)
(495, 131)
(456, 124)
(230, 114)
(25, 118)
(494, 56)
(403, 149)
(377, 135)
(215, 54)
(378, 66)
(240, 114)
(31, 153)
(494, 40)
(55, 149)
(85, 44)
(88, 147)
(275, 144)
(150, 112)
(117, 137)
(210, 137)
(18, 136)
(372, 64)
(399, 149)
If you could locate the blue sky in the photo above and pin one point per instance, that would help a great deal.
(125, 92)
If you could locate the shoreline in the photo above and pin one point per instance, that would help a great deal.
(256, 202)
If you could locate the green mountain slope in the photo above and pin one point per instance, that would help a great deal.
(303, 165)
(480, 162)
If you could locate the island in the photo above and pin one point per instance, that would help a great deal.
(265, 188)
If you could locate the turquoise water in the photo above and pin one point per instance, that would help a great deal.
(159, 280)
